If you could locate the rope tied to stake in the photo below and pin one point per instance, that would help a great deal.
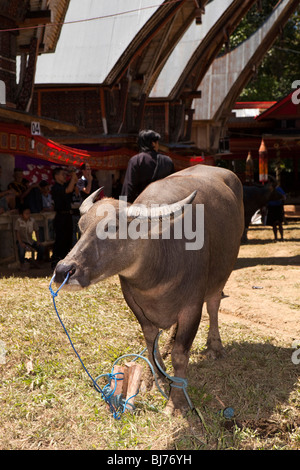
(117, 403)
(105, 396)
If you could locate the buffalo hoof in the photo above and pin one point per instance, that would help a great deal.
(214, 349)
(178, 404)
(181, 409)
(214, 354)
(150, 384)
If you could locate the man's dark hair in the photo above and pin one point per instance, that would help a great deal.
(23, 208)
(43, 183)
(146, 138)
(56, 171)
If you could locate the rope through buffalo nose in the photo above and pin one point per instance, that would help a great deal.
(54, 294)
(70, 272)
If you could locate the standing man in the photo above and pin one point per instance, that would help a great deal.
(145, 167)
(275, 214)
(84, 183)
(63, 226)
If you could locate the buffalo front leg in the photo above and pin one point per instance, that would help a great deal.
(187, 326)
(150, 332)
(214, 344)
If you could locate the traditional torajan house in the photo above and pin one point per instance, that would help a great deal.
(27, 29)
(91, 74)
(118, 68)
(278, 124)
(101, 75)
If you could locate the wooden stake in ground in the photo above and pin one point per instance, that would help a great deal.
(119, 382)
(134, 380)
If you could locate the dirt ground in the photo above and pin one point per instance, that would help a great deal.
(263, 291)
(259, 322)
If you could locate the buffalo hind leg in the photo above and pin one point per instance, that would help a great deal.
(214, 344)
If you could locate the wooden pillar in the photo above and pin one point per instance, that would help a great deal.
(8, 59)
(167, 122)
(296, 171)
(25, 96)
(103, 111)
(190, 114)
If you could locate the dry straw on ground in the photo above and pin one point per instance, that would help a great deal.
(48, 402)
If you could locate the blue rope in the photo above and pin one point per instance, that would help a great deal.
(104, 394)
(117, 402)
(176, 382)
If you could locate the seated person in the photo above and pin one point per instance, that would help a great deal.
(25, 227)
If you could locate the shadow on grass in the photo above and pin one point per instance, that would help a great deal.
(267, 241)
(274, 260)
(255, 379)
(291, 234)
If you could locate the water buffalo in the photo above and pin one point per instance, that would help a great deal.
(164, 280)
(255, 197)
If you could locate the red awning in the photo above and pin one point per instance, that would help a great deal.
(17, 140)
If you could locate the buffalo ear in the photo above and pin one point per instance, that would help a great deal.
(89, 201)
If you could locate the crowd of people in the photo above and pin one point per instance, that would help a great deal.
(66, 194)
(63, 197)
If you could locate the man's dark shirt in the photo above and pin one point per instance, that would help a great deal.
(62, 200)
(143, 169)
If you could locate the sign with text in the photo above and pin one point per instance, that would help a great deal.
(35, 128)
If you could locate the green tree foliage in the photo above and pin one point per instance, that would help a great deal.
(281, 64)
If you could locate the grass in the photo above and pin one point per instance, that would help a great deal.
(48, 402)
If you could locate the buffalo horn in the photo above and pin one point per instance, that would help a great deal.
(161, 211)
(89, 201)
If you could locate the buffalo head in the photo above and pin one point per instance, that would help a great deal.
(108, 244)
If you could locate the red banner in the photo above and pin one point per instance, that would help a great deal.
(18, 140)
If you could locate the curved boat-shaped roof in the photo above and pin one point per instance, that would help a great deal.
(229, 74)
(193, 55)
(184, 50)
(87, 50)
